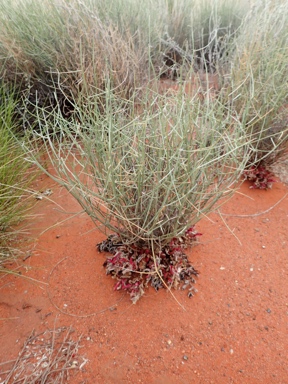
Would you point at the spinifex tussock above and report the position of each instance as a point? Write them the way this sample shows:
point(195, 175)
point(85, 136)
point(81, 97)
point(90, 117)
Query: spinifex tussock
point(147, 177)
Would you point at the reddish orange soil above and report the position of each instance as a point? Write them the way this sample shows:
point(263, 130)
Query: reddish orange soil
point(234, 330)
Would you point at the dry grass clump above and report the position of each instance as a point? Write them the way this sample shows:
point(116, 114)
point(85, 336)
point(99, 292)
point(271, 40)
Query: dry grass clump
point(199, 34)
point(258, 86)
point(56, 47)
point(59, 47)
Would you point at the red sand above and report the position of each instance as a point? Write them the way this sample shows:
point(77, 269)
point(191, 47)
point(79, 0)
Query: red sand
point(234, 330)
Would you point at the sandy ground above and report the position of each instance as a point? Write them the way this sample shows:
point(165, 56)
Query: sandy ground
point(234, 330)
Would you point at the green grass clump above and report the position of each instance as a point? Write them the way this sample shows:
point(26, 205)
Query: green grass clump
point(14, 180)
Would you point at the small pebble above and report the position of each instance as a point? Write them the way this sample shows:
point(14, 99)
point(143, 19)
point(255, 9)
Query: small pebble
point(268, 310)
point(74, 364)
point(185, 357)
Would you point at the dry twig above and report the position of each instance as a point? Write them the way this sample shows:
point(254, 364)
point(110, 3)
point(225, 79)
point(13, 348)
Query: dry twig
point(258, 213)
point(46, 358)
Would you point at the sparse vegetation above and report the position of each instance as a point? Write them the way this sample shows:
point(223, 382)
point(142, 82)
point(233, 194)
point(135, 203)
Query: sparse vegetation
point(145, 165)
point(74, 47)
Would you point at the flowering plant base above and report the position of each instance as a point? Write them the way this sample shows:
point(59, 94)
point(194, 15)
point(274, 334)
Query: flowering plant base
point(135, 267)
point(260, 177)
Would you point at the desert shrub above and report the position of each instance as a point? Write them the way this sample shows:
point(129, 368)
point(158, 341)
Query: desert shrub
point(147, 177)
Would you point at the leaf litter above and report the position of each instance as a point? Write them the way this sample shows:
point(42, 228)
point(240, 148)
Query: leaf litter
point(135, 267)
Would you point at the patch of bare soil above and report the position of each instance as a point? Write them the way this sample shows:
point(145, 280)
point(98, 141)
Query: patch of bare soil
point(234, 330)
